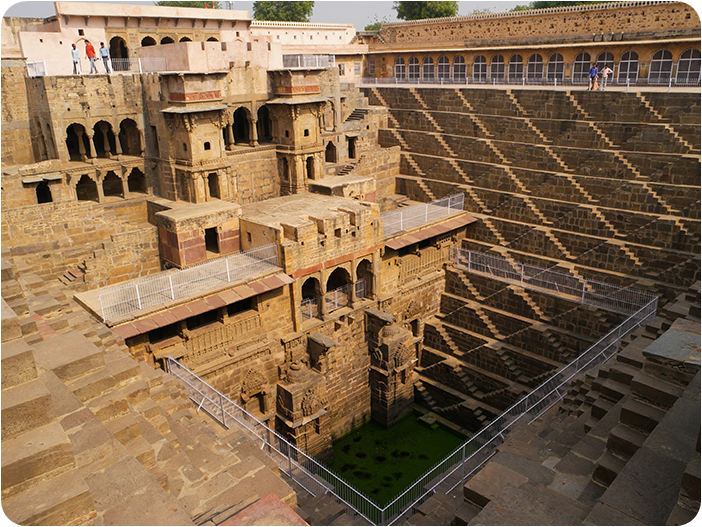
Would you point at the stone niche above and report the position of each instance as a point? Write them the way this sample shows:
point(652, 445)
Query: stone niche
point(302, 410)
point(392, 375)
point(190, 234)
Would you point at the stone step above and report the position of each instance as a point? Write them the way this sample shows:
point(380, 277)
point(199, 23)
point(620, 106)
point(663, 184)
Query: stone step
point(92, 385)
point(25, 407)
point(78, 356)
point(18, 364)
point(623, 373)
point(33, 457)
point(63, 500)
point(117, 403)
point(655, 390)
point(641, 416)
point(624, 441)
point(613, 390)
point(126, 429)
point(607, 469)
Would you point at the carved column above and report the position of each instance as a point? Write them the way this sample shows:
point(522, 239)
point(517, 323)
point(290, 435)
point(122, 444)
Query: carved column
point(354, 278)
point(125, 183)
point(230, 137)
point(99, 179)
point(105, 141)
point(254, 132)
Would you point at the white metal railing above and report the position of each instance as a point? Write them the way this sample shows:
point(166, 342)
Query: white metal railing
point(467, 458)
point(301, 467)
point(333, 300)
point(47, 67)
point(308, 61)
point(669, 80)
point(411, 217)
point(120, 300)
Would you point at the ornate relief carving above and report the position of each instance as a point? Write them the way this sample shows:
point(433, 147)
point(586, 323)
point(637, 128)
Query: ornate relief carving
point(254, 382)
point(312, 402)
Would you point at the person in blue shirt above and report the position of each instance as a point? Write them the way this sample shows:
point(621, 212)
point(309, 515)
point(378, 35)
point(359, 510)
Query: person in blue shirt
point(105, 55)
point(592, 75)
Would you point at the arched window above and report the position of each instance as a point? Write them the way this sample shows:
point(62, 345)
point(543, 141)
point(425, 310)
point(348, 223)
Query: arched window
point(311, 292)
point(212, 39)
point(77, 142)
point(43, 193)
point(581, 66)
point(556, 67)
point(104, 139)
point(338, 292)
point(628, 67)
point(129, 138)
point(661, 67)
point(241, 126)
point(185, 39)
point(535, 67)
point(497, 67)
point(264, 124)
point(119, 50)
point(605, 59)
point(86, 189)
point(136, 182)
point(427, 68)
point(479, 69)
point(516, 68)
point(364, 286)
point(443, 67)
point(112, 185)
point(413, 72)
point(689, 67)
point(167, 40)
point(330, 153)
point(459, 68)
point(400, 72)
point(148, 41)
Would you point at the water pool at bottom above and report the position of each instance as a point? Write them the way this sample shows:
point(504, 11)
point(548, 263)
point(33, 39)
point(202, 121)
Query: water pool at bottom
point(381, 462)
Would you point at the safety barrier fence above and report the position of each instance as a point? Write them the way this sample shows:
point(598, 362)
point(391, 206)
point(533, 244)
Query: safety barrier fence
point(308, 61)
point(448, 474)
point(334, 299)
point(151, 291)
point(47, 67)
point(412, 217)
point(679, 81)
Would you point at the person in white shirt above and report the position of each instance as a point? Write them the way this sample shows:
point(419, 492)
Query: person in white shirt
point(75, 55)
point(604, 74)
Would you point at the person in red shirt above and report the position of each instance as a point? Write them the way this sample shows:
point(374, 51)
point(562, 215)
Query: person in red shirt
point(90, 53)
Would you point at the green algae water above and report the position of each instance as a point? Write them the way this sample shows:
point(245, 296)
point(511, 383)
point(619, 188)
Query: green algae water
point(382, 462)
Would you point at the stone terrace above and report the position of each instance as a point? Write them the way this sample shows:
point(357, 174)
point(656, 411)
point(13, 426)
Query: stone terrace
point(606, 185)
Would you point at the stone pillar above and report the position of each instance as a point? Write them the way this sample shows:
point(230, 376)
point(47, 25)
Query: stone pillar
point(91, 146)
point(296, 299)
point(254, 132)
point(118, 146)
point(125, 183)
point(81, 145)
point(354, 278)
point(105, 141)
point(376, 274)
point(99, 178)
point(230, 137)
point(323, 287)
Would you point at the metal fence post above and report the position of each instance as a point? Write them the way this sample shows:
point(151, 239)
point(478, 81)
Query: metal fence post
point(136, 286)
point(224, 415)
point(522, 276)
point(670, 83)
point(227, 262)
point(170, 281)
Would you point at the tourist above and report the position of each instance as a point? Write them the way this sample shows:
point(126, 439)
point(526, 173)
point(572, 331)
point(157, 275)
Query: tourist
point(90, 53)
point(604, 74)
point(592, 78)
point(75, 55)
point(105, 54)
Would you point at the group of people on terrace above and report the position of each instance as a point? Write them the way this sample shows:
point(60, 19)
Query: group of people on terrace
point(594, 73)
point(90, 54)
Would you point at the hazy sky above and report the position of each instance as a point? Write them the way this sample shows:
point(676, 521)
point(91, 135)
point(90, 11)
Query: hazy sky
point(359, 12)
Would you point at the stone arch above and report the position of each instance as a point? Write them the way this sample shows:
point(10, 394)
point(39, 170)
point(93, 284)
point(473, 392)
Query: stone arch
point(112, 185)
point(400, 72)
point(459, 68)
point(104, 139)
point(364, 271)
point(212, 39)
point(338, 278)
point(148, 41)
point(497, 67)
point(43, 192)
point(688, 70)
point(330, 152)
point(311, 293)
point(185, 39)
point(86, 189)
point(242, 124)
point(581, 66)
point(264, 124)
point(129, 138)
point(556, 67)
point(427, 68)
point(535, 66)
point(479, 68)
point(628, 67)
point(77, 142)
point(167, 40)
point(136, 182)
point(516, 68)
point(119, 50)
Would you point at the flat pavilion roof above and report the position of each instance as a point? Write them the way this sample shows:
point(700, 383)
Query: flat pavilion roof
point(297, 208)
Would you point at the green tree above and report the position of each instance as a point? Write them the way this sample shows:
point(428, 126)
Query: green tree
point(420, 10)
point(544, 5)
point(283, 11)
point(185, 3)
point(375, 25)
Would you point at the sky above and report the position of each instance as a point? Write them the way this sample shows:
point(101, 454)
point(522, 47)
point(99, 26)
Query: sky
point(358, 12)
